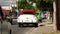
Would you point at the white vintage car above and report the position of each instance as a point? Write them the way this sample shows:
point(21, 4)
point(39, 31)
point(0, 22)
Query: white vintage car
point(27, 18)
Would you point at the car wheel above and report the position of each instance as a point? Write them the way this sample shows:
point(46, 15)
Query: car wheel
point(19, 25)
point(36, 24)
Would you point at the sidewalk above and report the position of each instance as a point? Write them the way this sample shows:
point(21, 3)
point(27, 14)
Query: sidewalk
point(41, 30)
point(46, 28)
point(47, 22)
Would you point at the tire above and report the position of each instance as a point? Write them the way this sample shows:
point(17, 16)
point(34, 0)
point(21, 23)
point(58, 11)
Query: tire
point(19, 25)
point(36, 24)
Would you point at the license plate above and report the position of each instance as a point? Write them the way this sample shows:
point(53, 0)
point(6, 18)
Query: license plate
point(26, 21)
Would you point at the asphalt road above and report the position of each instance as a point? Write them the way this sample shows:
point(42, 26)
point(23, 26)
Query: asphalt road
point(28, 30)
point(31, 30)
point(21, 30)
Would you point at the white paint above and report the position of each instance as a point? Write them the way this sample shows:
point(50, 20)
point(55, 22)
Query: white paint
point(23, 18)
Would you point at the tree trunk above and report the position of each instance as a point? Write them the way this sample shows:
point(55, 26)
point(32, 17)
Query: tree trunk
point(54, 15)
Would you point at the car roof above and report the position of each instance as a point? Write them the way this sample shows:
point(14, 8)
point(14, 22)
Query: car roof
point(21, 12)
point(27, 11)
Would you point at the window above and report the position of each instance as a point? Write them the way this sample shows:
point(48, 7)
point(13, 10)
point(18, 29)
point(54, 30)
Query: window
point(27, 13)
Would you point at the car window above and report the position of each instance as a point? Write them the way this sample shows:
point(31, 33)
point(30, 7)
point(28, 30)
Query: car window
point(27, 13)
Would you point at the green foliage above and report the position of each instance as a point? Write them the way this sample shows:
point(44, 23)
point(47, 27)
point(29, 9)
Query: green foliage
point(24, 5)
point(40, 4)
point(44, 4)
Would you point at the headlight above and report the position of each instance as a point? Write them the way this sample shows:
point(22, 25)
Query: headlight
point(19, 20)
point(34, 20)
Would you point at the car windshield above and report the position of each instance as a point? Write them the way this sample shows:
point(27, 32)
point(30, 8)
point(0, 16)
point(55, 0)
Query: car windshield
point(27, 13)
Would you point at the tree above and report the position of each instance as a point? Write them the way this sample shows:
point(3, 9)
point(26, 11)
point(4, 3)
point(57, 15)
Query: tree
point(45, 4)
point(23, 4)
point(54, 15)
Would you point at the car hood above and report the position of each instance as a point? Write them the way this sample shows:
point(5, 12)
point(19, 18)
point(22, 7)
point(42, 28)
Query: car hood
point(27, 17)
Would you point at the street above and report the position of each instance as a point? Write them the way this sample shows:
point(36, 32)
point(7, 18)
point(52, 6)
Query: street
point(30, 30)
point(42, 28)
point(19, 30)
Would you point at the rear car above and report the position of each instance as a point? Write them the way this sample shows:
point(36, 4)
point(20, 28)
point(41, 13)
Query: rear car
point(27, 18)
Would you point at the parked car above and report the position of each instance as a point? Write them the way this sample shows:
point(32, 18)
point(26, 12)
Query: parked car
point(27, 18)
